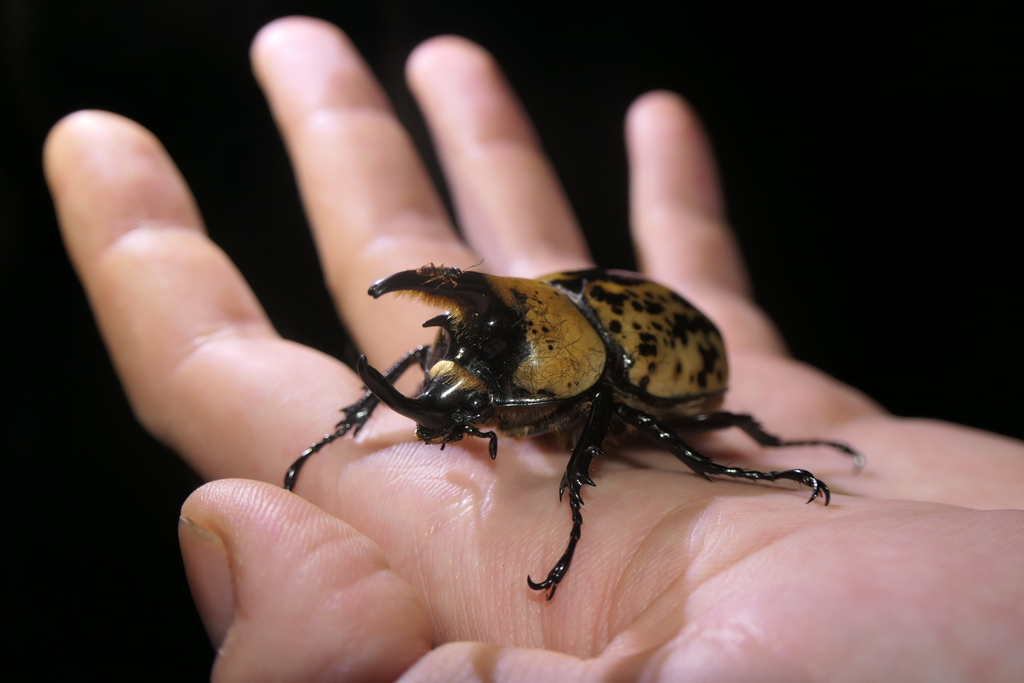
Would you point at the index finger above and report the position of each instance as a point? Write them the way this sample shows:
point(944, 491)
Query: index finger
point(203, 367)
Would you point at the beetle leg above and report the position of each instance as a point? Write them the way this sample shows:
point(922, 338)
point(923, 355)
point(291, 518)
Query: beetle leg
point(577, 473)
point(356, 414)
point(753, 428)
point(455, 434)
point(704, 465)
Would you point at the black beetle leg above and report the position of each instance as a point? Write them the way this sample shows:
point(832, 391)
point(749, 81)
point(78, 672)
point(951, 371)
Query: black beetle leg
point(456, 433)
point(356, 414)
point(704, 465)
point(753, 428)
point(577, 473)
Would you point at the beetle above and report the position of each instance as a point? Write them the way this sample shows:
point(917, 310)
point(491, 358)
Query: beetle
point(590, 348)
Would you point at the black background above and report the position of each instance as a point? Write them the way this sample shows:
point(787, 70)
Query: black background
point(867, 160)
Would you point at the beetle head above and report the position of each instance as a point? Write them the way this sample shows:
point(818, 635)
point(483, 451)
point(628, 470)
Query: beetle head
point(452, 393)
point(502, 342)
point(450, 397)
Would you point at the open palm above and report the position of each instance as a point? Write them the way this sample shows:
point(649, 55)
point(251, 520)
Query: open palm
point(914, 567)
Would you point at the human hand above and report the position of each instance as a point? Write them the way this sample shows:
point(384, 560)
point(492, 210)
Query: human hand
point(674, 576)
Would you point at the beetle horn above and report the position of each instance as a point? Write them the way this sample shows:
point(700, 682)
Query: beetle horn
point(394, 399)
point(465, 291)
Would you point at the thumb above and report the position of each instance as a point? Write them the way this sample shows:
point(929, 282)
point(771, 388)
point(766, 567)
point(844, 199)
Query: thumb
point(289, 592)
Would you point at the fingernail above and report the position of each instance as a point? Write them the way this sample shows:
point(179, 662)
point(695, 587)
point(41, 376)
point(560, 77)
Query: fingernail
point(209, 578)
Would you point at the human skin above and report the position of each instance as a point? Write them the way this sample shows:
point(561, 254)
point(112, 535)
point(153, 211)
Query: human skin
point(396, 560)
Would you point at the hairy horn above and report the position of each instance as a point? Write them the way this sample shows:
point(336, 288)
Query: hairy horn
point(468, 291)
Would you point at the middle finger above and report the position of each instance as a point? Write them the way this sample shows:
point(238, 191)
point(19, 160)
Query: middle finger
point(510, 204)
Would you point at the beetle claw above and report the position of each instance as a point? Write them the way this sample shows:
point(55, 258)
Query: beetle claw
point(817, 486)
point(543, 585)
point(814, 492)
point(821, 489)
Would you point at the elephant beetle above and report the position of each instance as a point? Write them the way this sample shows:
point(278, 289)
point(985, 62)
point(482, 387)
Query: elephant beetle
point(565, 351)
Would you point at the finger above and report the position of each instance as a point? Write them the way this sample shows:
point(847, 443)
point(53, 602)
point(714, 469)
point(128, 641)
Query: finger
point(201, 364)
point(510, 204)
point(676, 205)
point(289, 592)
point(916, 459)
point(894, 571)
point(479, 662)
point(369, 200)
point(677, 219)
